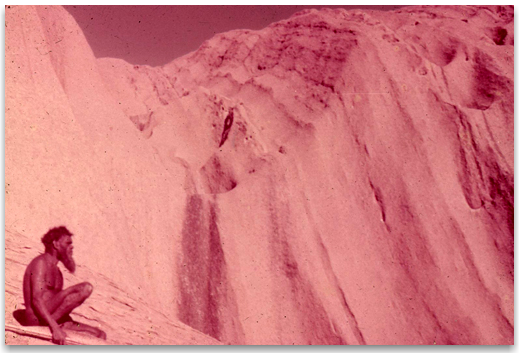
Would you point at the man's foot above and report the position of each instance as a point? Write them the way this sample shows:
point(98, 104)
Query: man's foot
point(102, 335)
point(80, 327)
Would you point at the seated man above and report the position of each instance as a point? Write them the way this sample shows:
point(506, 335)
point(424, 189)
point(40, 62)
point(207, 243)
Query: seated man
point(46, 302)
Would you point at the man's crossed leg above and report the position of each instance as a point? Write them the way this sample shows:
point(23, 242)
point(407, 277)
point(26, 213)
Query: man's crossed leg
point(60, 306)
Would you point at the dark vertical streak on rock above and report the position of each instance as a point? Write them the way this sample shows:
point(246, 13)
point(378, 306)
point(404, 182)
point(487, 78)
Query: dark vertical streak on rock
point(486, 185)
point(469, 261)
point(446, 83)
point(411, 251)
point(357, 331)
point(216, 265)
point(441, 336)
point(471, 175)
point(496, 148)
point(207, 301)
point(314, 320)
point(194, 275)
point(335, 282)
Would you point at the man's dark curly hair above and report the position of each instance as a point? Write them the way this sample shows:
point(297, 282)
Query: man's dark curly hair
point(54, 234)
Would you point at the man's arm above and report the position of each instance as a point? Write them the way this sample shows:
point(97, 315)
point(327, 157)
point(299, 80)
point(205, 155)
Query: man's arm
point(38, 287)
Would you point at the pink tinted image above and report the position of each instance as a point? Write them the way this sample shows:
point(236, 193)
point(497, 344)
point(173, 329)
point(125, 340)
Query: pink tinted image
point(259, 175)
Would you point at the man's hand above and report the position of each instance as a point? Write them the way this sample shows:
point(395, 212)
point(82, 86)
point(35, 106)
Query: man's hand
point(58, 335)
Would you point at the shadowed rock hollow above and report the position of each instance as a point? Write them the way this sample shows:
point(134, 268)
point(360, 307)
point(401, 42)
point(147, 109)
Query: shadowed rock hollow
point(340, 177)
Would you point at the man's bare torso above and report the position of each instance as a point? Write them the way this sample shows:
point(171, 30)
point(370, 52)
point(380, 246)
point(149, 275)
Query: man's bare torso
point(53, 281)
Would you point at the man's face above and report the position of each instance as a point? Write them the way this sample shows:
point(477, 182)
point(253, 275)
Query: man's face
point(64, 247)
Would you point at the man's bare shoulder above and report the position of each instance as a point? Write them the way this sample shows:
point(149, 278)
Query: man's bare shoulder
point(40, 261)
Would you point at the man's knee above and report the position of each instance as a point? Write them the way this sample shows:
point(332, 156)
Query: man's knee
point(86, 289)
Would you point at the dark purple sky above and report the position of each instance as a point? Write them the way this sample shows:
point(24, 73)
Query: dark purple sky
point(155, 35)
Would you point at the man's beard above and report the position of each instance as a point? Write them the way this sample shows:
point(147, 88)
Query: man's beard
point(68, 262)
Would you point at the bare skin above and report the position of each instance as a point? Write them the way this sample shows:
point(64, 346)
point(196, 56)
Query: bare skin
point(47, 303)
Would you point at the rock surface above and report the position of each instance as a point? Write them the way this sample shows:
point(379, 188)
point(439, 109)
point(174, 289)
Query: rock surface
point(340, 177)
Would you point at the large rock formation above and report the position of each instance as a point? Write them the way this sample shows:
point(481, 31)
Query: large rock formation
point(340, 177)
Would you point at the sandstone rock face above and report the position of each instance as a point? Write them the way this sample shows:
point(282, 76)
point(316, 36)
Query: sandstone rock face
point(335, 178)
